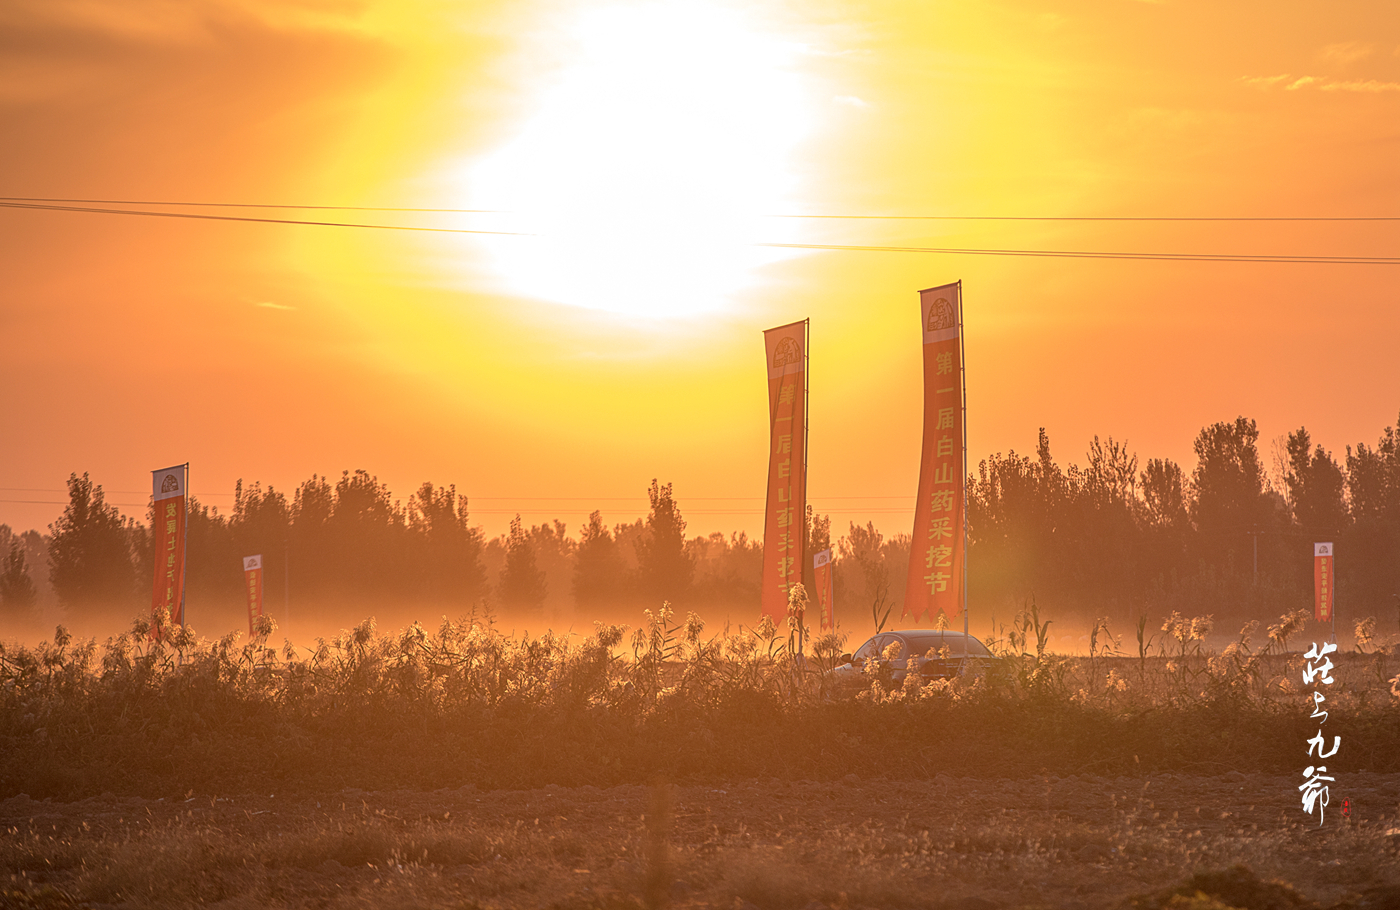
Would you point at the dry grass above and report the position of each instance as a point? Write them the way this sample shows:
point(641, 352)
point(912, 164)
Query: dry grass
point(468, 704)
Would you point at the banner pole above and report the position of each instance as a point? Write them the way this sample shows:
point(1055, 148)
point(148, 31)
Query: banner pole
point(962, 367)
point(806, 423)
point(186, 546)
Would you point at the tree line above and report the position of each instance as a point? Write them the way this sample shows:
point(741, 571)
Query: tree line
point(350, 544)
point(1109, 537)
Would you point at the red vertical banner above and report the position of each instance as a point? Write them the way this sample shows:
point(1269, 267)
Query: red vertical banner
point(168, 541)
point(1324, 582)
point(253, 582)
point(821, 570)
point(936, 576)
point(785, 516)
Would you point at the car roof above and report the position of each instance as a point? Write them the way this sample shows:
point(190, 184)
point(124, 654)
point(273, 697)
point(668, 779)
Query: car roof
point(962, 641)
point(942, 633)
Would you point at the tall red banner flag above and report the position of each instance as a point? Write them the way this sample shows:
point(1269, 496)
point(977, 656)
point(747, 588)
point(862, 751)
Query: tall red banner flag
point(936, 577)
point(168, 541)
point(253, 582)
point(1324, 582)
point(821, 569)
point(786, 512)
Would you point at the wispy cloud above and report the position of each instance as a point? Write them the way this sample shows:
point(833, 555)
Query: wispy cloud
point(1291, 83)
point(1266, 81)
point(850, 100)
point(1360, 85)
point(1345, 52)
point(268, 304)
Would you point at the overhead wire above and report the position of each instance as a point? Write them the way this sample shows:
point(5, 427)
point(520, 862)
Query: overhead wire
point(377, 208)
point(869, 248)
point(382, 227)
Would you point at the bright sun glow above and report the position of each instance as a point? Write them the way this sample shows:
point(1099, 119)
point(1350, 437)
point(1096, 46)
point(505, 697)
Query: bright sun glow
point(649, 162)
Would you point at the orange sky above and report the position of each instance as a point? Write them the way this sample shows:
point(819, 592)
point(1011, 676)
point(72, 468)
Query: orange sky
point(643, 145)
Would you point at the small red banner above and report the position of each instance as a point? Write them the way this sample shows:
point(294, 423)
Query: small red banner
point(253, 582)
point(1324, 582)
point(936, 559)
point(785, 516)
point(168, 542)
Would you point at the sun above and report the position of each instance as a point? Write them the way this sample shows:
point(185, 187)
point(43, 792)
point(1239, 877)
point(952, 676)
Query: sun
point(649, 161)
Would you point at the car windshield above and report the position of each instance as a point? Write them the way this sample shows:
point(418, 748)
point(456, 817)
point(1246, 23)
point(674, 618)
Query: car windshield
point(927, 644)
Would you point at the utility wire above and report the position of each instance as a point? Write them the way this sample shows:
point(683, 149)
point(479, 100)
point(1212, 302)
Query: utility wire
point(1092, 254)
point(1064, 254)
point(253, 205)
point(382, 227)
point(373, 208)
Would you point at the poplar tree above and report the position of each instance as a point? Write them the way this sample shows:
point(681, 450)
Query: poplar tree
point(522, 583)
point(89, 554)
point(664, 569)
point(17, 593)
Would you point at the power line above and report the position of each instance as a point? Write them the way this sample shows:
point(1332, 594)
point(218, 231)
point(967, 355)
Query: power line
point(1228, 218)
point(255, 205)
point(376, 208)
point(1099, 254)
point(1062, 254)
point(382, 227)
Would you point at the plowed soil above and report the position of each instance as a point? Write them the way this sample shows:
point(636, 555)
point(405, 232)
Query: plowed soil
point(1073, 842)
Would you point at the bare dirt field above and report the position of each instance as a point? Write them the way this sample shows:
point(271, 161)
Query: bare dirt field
point(954, 842)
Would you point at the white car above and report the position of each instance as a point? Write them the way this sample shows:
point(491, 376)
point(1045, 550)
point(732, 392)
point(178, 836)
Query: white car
point(920, 649)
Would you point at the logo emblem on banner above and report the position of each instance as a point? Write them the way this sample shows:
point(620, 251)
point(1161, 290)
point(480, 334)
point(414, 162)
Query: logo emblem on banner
point(789, 351)
point(941, 315)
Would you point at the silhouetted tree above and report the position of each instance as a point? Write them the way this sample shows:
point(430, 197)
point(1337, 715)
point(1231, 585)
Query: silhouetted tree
point(1098, 542)
point(1164, 494)
point(664, 569)
point(261, 524)
point(600, 574)
point(89, 555)
point(1165, 524)
point(366, 532)
point(310, 569)
point(213, 565)
point(862, 576)
point(727, 571)
point(448, 547)
point(1229, 486)
point(1315, 486)
point(1015, 508)
point(554, 557)
point(1368, 556)
point(522, 583)
point(816, 536)
point(17, 594)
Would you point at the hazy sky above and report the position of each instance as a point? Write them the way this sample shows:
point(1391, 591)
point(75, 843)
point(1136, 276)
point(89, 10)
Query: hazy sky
point(641, 150)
